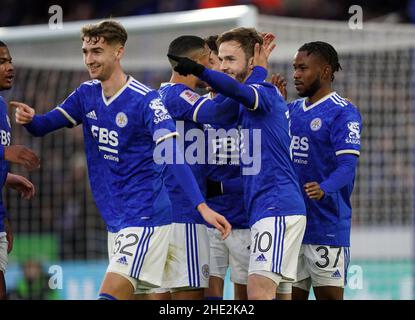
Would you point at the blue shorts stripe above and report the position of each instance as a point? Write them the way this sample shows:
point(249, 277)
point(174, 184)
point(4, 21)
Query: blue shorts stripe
point(197, 256)
point(279, 253)
point(146, 249)
point(274, 265)
point(192, 253)
point(136, 253)
point(189, 268)
point(141, 256)
point(282, 242)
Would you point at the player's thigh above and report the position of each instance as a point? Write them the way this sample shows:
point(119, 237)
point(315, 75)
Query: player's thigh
point(275, 246)
point(240, 291)
point(327, 266)
point(188, 258)
point(139, 254)
point(239, 253)
point(284, 291)
point(219, 254)
point(302, 285)
point(215, 289)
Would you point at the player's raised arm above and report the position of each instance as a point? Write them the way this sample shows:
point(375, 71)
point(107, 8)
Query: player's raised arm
point(223, 83)
point(67, 114)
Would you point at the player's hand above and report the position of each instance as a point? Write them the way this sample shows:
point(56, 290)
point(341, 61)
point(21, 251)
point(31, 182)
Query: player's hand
point(23, 186)
point(269, 42)
point(24, 113)
point(279, 81)
point(215, 219)
point(313, 190)
point(260, 58)
point(9, 235)
point(186, 66)
point(22, 155)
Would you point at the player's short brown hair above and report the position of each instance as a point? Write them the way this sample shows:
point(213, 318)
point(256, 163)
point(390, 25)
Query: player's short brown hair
point(246, 37)
point(112, 32)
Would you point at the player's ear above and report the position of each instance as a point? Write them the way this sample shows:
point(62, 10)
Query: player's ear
point(251, 63)
point(120, 52)
point(326, 72)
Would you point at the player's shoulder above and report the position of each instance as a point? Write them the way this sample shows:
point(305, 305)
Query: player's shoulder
point(90, 84)
point(138, 89)
point(295, 104)
point(2, 101)
point(343, 105)
point(179, 93)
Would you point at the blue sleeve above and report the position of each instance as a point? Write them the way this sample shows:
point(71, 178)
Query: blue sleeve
point(224, 84)
point(343, 175)
point(67, 114)
point(157, 119)
point(346, 130)
point(182, 172)
point(1, 152)
point(185, 104)
point(50, 121)
point(258, 74)
point(71, 108)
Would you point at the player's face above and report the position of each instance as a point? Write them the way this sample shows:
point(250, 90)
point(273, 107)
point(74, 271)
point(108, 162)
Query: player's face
point(101, 58)
point(233, 60)
point(214, 62)
point(6, 69)
point(203, 58)
point(307, 74)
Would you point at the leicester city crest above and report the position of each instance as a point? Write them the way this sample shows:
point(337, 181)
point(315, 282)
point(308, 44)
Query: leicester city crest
point(121, 119)
point(315, 124)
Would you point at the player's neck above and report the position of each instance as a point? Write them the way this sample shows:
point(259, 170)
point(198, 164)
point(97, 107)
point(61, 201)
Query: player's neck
point(189, 81)
point(322, 92)
point(112, 85)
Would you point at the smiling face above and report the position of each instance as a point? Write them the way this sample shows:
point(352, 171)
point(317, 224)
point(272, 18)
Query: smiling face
point(309, 73)
point(101, 58)
point(6, 69)
point(233, 60)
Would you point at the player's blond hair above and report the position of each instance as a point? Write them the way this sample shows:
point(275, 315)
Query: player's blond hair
point(112, 32)
point(246, 37)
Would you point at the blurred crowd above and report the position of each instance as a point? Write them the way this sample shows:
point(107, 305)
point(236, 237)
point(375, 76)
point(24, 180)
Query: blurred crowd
point(26, 12)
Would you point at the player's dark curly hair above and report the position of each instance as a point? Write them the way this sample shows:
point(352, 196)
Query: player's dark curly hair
point(325, 51)
point(211, 42)
point(186, 46)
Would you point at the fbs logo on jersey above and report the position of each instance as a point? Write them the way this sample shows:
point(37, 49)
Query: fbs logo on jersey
point(315, 124)
point(121, 119)
point(160, 111)
point(189, 96)
point(123, 260)
point(354, 134)
point(92, 115)
point(261, 258)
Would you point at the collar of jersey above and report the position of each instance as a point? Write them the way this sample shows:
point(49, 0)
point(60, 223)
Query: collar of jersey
point(115, 96)
point(315, 104)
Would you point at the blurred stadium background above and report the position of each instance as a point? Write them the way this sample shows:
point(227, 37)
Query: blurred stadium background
point(61, 225)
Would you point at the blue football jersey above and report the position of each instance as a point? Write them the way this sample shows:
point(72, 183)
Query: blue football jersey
point(5, 131)
point(271, 185)
point(182, 104)
point(120, 134)
point(222, 149)
point(320, 132)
